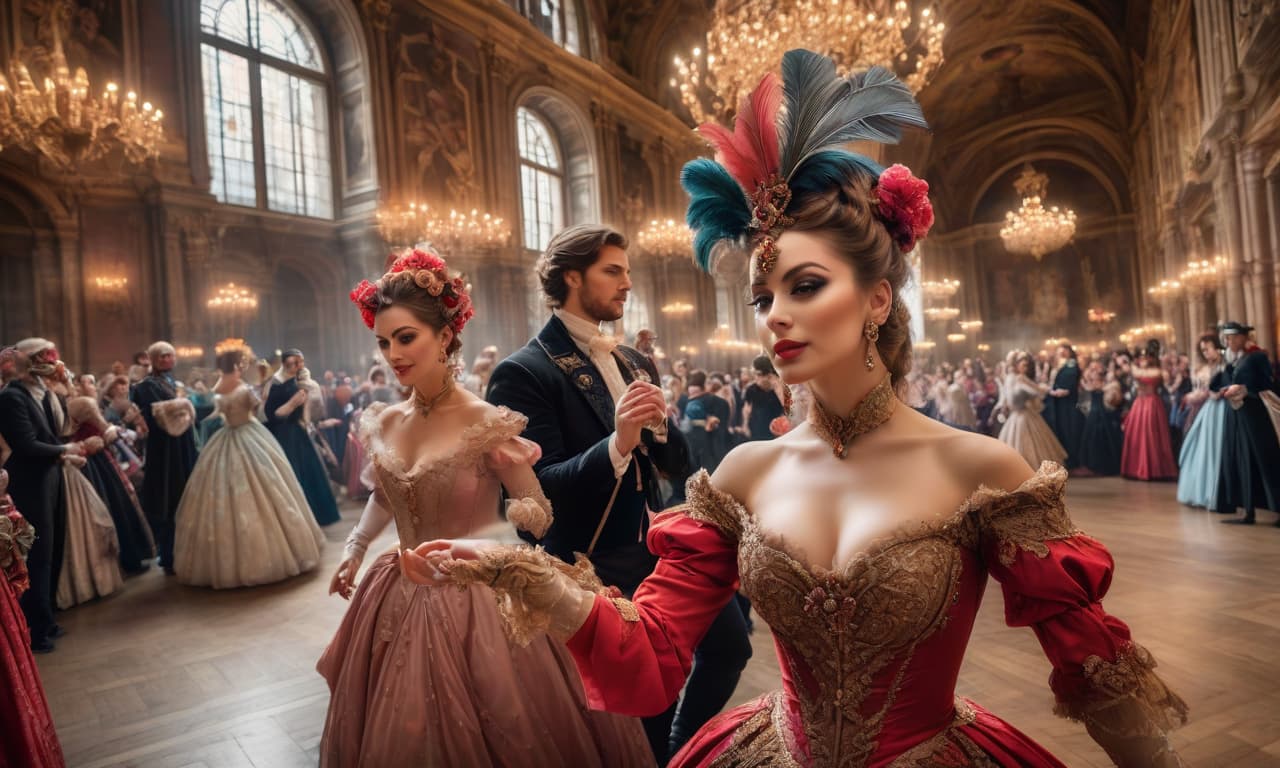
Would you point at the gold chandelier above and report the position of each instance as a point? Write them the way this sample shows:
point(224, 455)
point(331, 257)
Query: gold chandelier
point(1201, 276)
point(935, 290)
point(1035, 229)
point(233, 299)
point(405, 226)
point(666, 239)
point(747, 39)
point(681, 308)
point(66, 125)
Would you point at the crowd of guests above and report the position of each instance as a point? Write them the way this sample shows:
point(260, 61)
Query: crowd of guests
point(1211, 423)
point(222, 479)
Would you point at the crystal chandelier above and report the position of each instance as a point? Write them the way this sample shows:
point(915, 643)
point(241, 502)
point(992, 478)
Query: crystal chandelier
point(66, 125)
point(666, 239)
point(1164, 290)
point(747, 38)
point(1201, 276)
point(1035, 229)
point(405, 226)
point(233, 299)
point(942, 314)
point(681, 308)
point(970, 326)
point(935, 290)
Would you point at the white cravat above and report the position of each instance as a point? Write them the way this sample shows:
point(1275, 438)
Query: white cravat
point(589, 339)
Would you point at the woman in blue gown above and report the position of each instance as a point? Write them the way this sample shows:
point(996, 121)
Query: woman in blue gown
point(1200, 460)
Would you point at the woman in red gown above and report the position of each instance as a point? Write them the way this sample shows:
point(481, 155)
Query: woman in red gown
point(864, 536)
point(29, 740)
point(1148, 450)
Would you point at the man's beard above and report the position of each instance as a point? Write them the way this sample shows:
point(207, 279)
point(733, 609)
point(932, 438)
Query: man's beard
point(600, 311)
point(1232, 355)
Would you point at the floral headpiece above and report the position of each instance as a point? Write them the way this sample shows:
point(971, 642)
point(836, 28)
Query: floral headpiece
point(774, 152)
point(429, 272)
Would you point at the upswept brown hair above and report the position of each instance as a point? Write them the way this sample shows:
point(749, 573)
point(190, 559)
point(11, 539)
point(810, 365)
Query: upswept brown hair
point(843, 215)
point(573, 250)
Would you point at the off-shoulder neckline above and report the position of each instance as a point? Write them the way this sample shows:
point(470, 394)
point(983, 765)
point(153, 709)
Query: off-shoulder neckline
point(464, 447)
point(1050, 475)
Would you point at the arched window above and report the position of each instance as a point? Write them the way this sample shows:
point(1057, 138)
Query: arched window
point(541, 180)
point(557, 19)
point(266, 107)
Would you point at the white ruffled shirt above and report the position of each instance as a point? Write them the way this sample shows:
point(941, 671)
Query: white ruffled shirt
point(598, 347)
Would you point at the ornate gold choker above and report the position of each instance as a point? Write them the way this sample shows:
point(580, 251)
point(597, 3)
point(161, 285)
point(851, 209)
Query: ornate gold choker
point(838, 431)
point(424, 406)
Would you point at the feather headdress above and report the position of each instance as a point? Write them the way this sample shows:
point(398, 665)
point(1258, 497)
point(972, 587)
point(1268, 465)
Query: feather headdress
point(788, 136)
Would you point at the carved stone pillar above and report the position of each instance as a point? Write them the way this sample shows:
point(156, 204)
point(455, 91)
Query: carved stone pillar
point(1228, 205)
point(608, 171)
point(1171, 309)
point(1273, 218)
point(1257, 237)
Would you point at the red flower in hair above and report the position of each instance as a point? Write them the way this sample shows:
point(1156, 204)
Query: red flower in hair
point(365, 296)
point(903, 205)
point(418, 259)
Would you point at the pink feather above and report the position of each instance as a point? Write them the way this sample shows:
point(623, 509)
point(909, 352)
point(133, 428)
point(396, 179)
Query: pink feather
point(750, 152)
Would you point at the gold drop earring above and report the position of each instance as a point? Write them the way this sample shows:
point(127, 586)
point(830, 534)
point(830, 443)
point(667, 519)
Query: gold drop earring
point(872, 332)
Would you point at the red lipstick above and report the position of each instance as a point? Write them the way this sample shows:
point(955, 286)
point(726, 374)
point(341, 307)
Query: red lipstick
point(788, 349)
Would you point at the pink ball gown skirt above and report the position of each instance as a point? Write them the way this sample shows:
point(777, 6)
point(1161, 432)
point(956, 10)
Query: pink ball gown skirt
point(425, 676)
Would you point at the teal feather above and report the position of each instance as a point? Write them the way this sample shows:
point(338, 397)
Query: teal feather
point(830, 169)
point(718, 208)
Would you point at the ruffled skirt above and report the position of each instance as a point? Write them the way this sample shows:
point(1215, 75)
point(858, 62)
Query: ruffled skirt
point(425, 676)
point(243, 519)
point(90, 562)
point(1028, 434)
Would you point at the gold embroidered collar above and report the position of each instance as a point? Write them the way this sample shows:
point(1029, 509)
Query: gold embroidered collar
point(838, 431)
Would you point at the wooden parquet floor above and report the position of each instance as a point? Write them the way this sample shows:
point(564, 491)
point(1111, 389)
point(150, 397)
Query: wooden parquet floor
point(163, 675)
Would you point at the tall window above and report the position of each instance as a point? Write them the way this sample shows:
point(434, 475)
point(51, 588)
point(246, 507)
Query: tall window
point(557, 19)
point(541, 180)
point(266, 107)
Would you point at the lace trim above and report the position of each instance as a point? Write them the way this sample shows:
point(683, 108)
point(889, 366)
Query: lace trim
point(759, 740)
point(949, 748)
point(1027, 517)
point(838, 431)
point(537, 592)
point(1131, 677)
point(709, 504)
point(531, 512)
point(473, 442)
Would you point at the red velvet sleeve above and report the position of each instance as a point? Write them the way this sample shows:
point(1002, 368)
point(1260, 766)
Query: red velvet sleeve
point(1053, 578)
point(634, 656)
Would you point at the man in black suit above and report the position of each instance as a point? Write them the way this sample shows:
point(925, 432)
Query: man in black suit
point(27, 409)
point(170, 458)
point(601, 422)
point(1250, 474)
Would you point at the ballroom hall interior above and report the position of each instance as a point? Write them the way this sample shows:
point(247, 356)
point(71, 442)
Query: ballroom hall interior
point(1104, 177)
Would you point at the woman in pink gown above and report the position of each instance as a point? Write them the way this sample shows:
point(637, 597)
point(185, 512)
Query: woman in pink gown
point(428, 677)
point(864, 536)
point(1148, 449)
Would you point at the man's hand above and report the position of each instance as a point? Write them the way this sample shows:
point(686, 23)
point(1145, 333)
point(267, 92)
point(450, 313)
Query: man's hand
point(642, 404)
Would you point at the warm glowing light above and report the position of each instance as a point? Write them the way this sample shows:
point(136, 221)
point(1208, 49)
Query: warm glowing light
point(1034, 229)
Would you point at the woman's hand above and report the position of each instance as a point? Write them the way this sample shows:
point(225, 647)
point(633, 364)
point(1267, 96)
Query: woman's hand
point(344, 579)
point(425, 563)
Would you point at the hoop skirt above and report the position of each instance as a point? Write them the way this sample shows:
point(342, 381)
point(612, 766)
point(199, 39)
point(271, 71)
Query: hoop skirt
point(425, 676)
point(243, 519)
point(1026, 430)
point(1148, 449)
point(1200, 461)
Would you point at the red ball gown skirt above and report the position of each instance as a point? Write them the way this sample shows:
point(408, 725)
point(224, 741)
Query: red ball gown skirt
point(1148, 450)
point(27, 738)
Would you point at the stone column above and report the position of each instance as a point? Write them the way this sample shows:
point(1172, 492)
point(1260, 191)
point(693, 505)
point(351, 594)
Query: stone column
point(1257, 237)
point(1228, 203)
point(1273, 217)
point(1170, 309)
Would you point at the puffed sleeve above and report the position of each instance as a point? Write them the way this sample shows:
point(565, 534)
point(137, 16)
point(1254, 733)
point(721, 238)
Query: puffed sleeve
point(634, 655)
point(1053, 578)
point(511, 458)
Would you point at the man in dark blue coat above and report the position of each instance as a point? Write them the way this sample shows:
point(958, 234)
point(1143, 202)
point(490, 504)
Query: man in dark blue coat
point(1250, 474)
point(595, 409)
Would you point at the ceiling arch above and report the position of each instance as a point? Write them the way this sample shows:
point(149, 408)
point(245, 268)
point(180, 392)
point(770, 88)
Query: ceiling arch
point(981, 191)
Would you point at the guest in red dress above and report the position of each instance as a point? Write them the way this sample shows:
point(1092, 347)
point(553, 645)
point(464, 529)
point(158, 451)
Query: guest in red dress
point(29, 740)
point(1148, 451)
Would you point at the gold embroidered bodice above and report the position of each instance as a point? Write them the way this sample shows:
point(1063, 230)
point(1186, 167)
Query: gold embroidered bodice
point(848, 639)
point(447, 497)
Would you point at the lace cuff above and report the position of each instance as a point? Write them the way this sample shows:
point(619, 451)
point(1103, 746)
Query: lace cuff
point(530, 511)
point(1128, 709)
point(537, 592)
